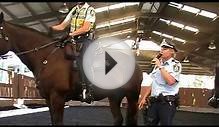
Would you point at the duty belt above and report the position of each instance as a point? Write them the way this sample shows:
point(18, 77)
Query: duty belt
point(84, 36)
point(161, 98)
point(81, 36)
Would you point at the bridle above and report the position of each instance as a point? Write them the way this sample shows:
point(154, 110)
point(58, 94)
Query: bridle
point(6, 38)
point(2, 34)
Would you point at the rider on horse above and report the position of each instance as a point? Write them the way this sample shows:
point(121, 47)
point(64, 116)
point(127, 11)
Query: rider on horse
point(82, 20)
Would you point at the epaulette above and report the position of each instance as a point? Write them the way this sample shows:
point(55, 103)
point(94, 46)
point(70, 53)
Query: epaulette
point(176, 61)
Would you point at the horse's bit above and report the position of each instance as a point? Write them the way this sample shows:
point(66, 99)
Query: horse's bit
point(2, 35)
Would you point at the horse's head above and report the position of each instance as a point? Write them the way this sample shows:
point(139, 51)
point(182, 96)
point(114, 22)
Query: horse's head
point(5, 46)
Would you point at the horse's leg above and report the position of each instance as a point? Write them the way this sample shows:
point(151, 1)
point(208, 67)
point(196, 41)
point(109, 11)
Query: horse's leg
point(214, 99)
point(56, 107)
point(115, 102)
point(132, 111)
point(48, 104)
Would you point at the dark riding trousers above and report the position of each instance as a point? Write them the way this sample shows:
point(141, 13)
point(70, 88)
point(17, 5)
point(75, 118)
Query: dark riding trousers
point(86, 40)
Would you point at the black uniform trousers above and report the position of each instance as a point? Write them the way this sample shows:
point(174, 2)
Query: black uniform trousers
point(86, 42)
point(160, 113)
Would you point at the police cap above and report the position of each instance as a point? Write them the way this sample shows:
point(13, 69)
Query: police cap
point(167, 44)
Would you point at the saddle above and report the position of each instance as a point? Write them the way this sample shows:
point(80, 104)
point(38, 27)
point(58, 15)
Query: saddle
point(71, 47)
point(72, 50)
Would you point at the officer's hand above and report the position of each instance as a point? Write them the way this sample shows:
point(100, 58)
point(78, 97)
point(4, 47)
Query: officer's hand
point(141, 104)
point(53, 27)
point(156, 62)
point(71, 34)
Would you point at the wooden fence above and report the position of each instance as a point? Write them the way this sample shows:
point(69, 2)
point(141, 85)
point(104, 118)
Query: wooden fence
point(19, 87)
point(24, 87)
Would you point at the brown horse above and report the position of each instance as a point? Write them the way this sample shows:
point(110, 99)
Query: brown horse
point(214, 100)
point(56, 81)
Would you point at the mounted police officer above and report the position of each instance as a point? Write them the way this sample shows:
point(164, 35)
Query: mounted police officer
point(82, 20)
point(163, 96)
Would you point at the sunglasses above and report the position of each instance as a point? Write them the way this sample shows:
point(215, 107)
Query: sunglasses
point(167, 47)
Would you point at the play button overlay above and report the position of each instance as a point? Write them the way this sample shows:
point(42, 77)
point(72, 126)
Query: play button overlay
point(108, 63)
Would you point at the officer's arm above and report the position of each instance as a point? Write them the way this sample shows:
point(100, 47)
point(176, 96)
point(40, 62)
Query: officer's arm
point(66, 21)
point(85, 28)
point(164, 73)
point(167, 77)
point(147, 92)
point(61, 26)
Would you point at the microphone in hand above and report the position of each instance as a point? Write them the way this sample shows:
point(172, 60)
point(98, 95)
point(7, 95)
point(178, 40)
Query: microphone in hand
point(153, 63)
point(158, 57)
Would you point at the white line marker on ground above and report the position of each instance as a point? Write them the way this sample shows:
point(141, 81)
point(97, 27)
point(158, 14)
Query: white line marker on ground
point(23, 111)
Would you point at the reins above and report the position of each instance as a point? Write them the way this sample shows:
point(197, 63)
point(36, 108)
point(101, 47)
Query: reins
point(37, 48)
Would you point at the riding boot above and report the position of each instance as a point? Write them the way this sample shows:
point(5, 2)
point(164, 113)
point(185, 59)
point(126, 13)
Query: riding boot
point(86, 95)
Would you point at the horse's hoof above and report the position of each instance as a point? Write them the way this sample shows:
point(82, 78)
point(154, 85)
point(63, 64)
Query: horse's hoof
point(213, 102)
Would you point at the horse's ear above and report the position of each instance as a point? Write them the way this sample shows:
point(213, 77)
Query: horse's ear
point(1, 17)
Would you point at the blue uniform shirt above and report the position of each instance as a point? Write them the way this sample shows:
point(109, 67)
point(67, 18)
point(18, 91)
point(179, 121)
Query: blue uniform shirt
point(159, 85)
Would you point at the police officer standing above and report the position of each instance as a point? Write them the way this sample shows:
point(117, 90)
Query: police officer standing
point(82, 21)
point(163, 96)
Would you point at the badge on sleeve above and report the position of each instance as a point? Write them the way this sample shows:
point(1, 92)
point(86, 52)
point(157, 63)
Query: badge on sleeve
point(176, 68)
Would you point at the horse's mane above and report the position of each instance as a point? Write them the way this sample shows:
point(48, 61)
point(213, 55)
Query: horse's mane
point(27, 28)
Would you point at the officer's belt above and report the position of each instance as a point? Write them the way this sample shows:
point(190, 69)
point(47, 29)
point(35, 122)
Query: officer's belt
point(80, 36)
point(167, 98)
point(83, 36)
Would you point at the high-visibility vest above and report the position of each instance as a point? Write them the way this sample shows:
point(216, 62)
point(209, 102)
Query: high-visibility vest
point(79, 17)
